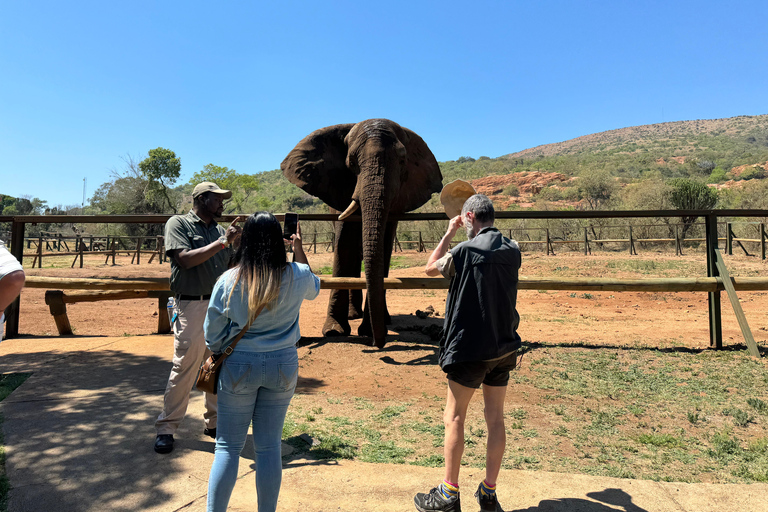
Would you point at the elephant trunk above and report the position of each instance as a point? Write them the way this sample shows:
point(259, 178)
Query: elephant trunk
point(374, 216)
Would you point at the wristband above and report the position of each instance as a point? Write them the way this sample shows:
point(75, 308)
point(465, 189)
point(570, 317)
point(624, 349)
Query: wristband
point(223, 242)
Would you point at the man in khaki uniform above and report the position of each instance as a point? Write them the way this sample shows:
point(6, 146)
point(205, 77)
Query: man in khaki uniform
point(200, 252)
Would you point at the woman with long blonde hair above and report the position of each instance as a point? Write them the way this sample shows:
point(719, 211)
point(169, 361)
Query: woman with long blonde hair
point(258, 379)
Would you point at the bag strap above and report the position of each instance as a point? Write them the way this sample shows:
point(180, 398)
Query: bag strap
point(232, 345)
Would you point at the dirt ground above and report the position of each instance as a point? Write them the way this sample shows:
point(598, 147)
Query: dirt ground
point(346, 377)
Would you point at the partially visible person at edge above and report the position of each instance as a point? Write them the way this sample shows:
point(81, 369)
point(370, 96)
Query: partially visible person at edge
point(200, 251)
point(12, 279)
point(479, 344)
point(258, 379)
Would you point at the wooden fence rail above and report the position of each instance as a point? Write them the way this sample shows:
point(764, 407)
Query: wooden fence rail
point(715, 268)
point(118, 289)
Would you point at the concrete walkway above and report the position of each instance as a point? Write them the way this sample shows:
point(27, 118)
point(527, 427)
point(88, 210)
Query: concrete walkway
point(79, 433)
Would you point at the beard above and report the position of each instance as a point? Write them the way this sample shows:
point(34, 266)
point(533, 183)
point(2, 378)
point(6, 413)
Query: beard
point(470, 231)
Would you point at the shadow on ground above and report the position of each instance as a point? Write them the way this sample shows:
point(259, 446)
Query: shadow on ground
point(78, 434)
point(615, 497)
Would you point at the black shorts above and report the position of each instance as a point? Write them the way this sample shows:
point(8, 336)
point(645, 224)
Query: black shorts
point(490, 373)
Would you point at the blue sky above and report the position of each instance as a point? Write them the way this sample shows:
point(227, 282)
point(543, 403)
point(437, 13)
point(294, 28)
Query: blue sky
point(238, 84)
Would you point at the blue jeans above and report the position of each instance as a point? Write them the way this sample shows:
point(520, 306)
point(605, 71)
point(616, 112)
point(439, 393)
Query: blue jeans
point(258, 387)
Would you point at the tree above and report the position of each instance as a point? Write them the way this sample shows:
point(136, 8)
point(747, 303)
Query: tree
point(241, 185)
point(126, 194)
point(687, 194)
point(596, 187)
point(161, 170)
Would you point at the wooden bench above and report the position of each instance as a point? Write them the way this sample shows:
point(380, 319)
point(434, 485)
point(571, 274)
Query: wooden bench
point(57, 301)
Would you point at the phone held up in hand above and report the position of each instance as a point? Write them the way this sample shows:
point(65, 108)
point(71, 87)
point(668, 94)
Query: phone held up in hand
point(289, 225)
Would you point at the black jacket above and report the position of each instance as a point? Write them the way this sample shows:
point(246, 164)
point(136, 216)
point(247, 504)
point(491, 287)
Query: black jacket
point(480, 313)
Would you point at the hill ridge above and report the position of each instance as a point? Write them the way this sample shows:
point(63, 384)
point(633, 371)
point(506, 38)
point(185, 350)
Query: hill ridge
point(612, 139)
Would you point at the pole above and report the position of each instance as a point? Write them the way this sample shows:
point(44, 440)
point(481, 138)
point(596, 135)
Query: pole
point(39, 252)
point(729, 238)
point(715, 320)
point(17, 249)
point(762, 241)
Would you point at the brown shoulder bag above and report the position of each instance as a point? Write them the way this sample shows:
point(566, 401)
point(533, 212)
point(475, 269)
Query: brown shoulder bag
point(208, 376)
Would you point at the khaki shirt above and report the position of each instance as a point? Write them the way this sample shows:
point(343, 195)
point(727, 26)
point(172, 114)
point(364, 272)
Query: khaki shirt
point(190, 232)
point(445, 266)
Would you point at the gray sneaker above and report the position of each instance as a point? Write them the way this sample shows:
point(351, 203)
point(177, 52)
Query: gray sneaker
point(487, 503)
point(435, 501)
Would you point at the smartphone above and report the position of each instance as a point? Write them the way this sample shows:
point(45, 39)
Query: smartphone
point(290, 223)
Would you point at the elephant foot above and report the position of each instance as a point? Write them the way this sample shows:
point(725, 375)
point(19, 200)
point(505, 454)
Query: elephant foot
point(333, 328)
point(354, 313)
point(379, 343)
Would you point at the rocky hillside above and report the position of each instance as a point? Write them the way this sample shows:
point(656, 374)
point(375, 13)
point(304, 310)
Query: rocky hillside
point(679, 137)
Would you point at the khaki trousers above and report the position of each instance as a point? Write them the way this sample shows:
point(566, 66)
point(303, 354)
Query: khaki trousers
point(189, 351)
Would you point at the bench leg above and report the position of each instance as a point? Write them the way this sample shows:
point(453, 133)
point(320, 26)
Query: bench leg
point(55, 301)
point(163, 324)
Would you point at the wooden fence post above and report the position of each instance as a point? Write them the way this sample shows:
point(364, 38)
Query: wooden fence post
point(314, 242)
point(678, 245)
point(39, 256)
point(729, 238)
point(632, 249)
point(586, 242)
point(715, 319)
point(421, 243)
point(79, 253)
point(762, 241)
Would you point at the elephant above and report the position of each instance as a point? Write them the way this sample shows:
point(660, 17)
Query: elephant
point(382, 169)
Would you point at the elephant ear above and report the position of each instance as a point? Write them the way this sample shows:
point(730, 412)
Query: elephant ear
point(422, 174)
point(318, 166)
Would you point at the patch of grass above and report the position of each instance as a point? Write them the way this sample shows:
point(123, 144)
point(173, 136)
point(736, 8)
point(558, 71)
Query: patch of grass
point(430, 461)
point(11, 381)
point(740, 417)
point(723, 445)
point(694, 418)
point(758, 405)
point(667, 440)
point(362, 403)
point(326, 270)
point(518, 414)
point(391, 411)
point(384, 452)
point(333, 447)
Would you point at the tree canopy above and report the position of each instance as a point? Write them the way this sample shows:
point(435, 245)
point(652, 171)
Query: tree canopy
point(161, 169)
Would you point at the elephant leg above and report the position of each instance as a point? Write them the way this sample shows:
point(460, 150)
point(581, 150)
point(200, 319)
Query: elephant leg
point(346, 263)
point(365, 328)
point(355, 304)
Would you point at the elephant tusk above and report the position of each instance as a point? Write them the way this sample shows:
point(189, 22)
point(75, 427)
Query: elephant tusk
point(353, 206)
